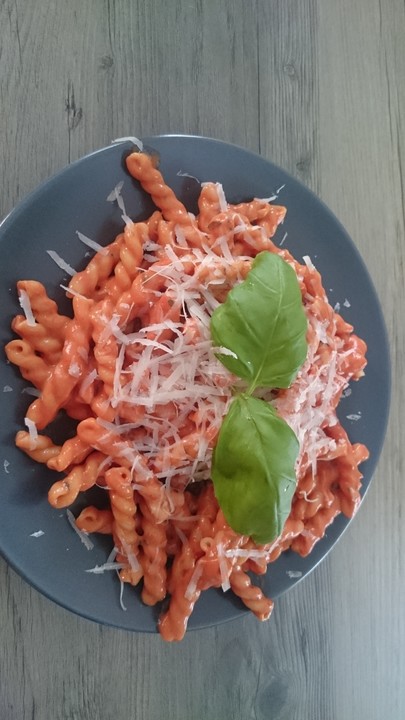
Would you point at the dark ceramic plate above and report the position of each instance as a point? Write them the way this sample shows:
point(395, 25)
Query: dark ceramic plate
point(75, 199)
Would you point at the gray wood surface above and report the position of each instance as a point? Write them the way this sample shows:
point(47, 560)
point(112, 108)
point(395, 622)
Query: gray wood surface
point(318, 86)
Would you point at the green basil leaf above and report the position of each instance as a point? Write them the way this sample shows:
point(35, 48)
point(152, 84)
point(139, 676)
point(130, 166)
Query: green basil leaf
point(253, 469)
point(263, 323)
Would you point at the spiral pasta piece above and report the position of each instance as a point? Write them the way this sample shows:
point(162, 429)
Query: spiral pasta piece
point(142, 168)
point(45, 310)
point(32, 367)
point(42, 449)
point(90, 281)
point(124, 511)
point(73, 451)
point(49, 347)
point(93, 520)
point(81, 478)
point(153, 557)
point(58, 386)
point(250, 595)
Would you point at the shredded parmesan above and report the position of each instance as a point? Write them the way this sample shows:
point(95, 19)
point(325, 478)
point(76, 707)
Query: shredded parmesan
point(130, 138)
point(100, 569)
point(307, 405)
point(89, 380)
point(223, 568)
point(115, 196)
point(82, 535)
point(33, 433)
point(7, 388)
point(294, 573)
point(113, 554)
point(267, 199)
point(172, 362)
point(123, 607)
point(91, 243)
point(191, 588)
point(186, 174)
point(223, 205)
point(61, 262)
point(6, 466)
point(116, 192)
point(70, 291)
point(131, 557)
point(24, 301)
point(308, 262)
point(37, 534)
point(74, 370)
point(248, 554)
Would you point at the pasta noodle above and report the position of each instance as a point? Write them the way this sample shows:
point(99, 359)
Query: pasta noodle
point(136, 368)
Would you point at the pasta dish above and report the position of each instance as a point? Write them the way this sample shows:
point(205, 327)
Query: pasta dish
point(137, 368)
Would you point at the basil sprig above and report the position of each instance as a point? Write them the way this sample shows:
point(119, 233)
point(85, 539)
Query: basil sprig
point(263, 324)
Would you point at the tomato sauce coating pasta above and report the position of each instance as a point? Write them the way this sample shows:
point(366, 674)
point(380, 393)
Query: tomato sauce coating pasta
point(136, 368)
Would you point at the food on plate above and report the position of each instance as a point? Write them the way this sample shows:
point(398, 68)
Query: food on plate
point(203, 365)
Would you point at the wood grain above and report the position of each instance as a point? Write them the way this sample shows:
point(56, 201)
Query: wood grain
point(318, 87)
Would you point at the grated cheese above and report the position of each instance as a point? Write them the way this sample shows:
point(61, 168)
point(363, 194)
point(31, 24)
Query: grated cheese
point(33, 433)
point(223, 568)
point(7, 388)
point(192, 585)
point(115, 196)
point(100, 569)
point(89, 380)
point(113, 554)
point(60, 262)
point(294, 573)
point(72, 292)
point(37, 534)
point(123, 607)
point(223, 205)
point(307, 405)
point(82, 535)
point(115, 192)
point(308, 262)
point(186, 174)
point(74, 370)
point(24, 300)
point(130, 555)
point(267, 199)
point(6, 466)
point(248, 554)
point(91, 243)
point(173, 365)
point(130, 138)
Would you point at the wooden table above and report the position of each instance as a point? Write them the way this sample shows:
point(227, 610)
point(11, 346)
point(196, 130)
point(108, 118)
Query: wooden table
point(317, 86)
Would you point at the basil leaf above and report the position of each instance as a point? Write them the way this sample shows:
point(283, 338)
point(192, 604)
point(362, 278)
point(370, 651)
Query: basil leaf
point(263, 323)
point(253, 469)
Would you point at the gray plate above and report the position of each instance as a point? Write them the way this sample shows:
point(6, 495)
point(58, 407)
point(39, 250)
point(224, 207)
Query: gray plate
point(55, 563)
